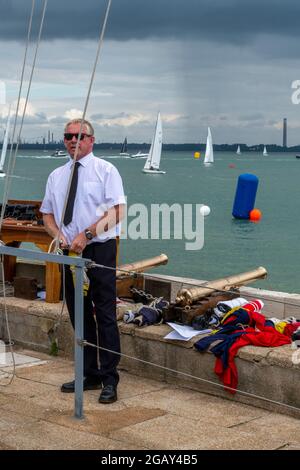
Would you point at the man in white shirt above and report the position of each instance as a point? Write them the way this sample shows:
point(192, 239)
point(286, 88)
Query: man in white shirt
point(96, 189)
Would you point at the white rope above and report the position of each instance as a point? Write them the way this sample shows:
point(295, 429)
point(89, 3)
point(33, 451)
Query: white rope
point(100, 42)
point(58, 251)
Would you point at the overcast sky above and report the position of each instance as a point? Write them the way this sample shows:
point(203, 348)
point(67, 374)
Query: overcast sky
point(228, 64)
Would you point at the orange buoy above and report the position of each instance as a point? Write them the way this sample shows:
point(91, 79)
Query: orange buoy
point(255, 215)
point(231, 165)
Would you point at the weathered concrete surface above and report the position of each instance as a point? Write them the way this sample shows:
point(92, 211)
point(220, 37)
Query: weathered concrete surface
point(263, 372)
point(34, 414)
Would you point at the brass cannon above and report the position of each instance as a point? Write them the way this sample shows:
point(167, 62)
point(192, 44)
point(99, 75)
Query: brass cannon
point(140, 266)
point(194, 301)
point(127, 278)
point(190, 295)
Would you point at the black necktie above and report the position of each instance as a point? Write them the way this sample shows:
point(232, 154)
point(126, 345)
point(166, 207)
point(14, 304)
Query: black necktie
point(72, 194)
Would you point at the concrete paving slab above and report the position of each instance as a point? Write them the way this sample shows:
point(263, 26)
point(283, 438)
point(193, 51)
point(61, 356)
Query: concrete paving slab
point(195, 405)
point(174, 432)
point(291, 447)
point(103, 421)
point(41, 435)
point(20, 360)
point(48, 374)
point(3, 446)
point(10, 421)
point(26, 388)
point(3, 399)
point(277, 426)
point(42, 400)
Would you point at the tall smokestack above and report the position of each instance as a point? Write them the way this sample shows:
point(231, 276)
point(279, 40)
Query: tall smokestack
point(284, 132)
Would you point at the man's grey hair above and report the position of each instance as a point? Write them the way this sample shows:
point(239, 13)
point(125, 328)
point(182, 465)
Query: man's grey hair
point(86, 124)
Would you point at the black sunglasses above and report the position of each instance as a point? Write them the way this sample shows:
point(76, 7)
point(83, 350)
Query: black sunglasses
point(69, 136)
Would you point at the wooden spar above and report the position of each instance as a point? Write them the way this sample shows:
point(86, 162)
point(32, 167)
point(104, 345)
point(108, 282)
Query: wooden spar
point(187, 296)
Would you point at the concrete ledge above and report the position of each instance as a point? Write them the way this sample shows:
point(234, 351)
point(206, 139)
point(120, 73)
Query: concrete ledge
point(265, 372)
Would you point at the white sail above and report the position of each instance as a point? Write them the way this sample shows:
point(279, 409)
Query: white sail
point(153, 160)
point(209, 152)
point(5, 143)
point(238, 150)
point(265, 153)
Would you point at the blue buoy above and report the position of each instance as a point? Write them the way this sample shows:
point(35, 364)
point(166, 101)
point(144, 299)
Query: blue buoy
point(245, 196)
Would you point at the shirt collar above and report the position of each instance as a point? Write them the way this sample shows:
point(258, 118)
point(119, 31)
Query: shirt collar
point(84, 161)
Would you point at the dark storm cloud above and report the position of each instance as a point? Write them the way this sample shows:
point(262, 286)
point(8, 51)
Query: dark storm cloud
point(215, 20)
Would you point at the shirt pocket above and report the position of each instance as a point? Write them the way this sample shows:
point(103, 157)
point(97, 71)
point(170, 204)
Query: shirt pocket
point(92, 193)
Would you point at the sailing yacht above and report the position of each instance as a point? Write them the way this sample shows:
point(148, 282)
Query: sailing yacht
point(265, 153)
point(153, 160)
point(238, 152)
point(209, 152)
point(124, 152)
point(4, 145)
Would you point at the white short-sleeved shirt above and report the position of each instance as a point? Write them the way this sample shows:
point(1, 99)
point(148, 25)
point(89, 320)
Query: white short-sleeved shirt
point(99, 186)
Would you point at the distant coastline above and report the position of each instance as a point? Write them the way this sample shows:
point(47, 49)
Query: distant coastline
point(189, 147)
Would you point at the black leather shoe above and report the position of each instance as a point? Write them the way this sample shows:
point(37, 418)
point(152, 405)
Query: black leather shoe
point(88, 384)
point(108, 394)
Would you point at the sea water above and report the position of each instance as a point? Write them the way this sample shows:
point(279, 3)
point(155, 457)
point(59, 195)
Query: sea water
point(230, 246)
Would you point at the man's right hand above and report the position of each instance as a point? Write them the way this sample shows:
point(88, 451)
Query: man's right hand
point(53, 230)
point(63, 242)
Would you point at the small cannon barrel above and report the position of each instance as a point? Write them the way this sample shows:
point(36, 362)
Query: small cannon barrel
point(142, 265)
point(187, 296)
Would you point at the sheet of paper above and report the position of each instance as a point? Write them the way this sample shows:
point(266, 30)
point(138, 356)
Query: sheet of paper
point(183, 332)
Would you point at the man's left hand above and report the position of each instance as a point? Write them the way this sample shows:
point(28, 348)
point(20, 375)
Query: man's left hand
point(79, 243)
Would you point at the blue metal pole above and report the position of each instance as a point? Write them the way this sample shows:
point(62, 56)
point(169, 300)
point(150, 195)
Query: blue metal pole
point(79, 348)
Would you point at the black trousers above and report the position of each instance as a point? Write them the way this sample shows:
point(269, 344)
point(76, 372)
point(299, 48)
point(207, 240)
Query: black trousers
point(99, 313)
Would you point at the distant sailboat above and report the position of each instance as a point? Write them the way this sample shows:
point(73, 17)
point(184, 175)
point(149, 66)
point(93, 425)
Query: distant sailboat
point(265, 153)
point(153, 160)
point(209, 152)
point(4, 145)
point(238, 152)
point(124, 152)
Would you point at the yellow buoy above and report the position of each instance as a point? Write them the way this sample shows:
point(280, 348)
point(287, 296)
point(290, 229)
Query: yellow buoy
point(197, 155)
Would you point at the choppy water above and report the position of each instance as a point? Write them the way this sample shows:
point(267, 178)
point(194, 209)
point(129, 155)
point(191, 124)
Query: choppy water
point(230, 246)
